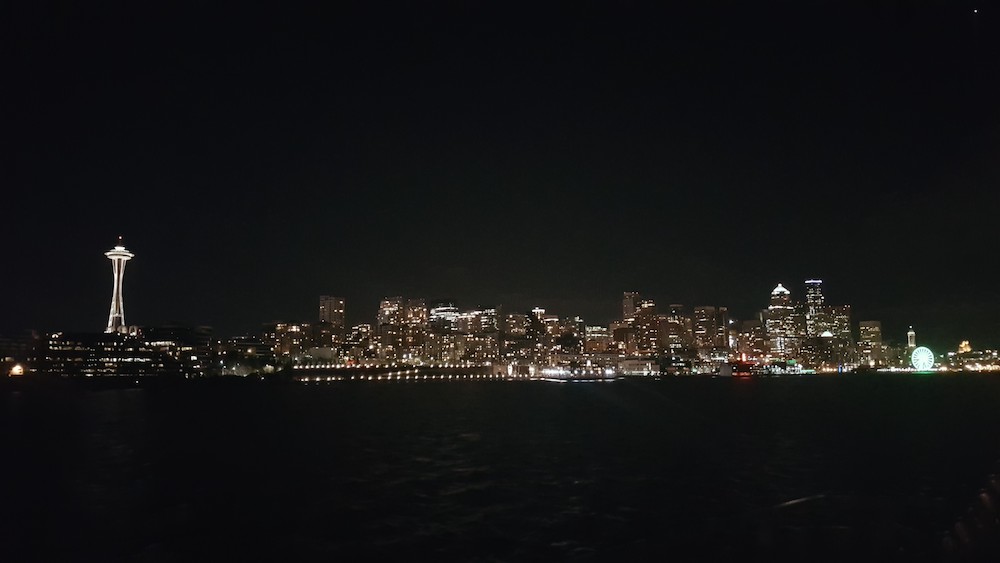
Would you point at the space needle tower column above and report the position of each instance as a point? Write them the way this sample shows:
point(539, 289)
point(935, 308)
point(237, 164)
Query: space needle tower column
point(118, 256)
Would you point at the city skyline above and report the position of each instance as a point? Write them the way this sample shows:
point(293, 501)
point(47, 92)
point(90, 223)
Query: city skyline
point(812, 304)
point(500, 280)
point(547, 157)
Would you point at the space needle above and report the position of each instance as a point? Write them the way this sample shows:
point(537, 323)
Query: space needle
point(118, 256)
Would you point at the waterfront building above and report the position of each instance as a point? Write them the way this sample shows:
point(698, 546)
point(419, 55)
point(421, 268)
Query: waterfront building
point(478, 348)
point(828, 353)
point(288, 339)
point(243, 355)
point(441, 347)
point(163, 351)
point(911, 339)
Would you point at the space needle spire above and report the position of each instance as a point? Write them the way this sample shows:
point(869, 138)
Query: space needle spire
point(118, 256)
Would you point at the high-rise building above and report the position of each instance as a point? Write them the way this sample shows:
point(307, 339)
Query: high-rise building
point(711, 329)
point(598, 339)
point(288, 339)
point(780, 323)
point(390, 327)
point(630, 302)
point(752, 339)
point(870, 332)
point(840, 322)
point(443, 316)
point(870, 342)
point(722, 327)
point(911, 339)
point(416, 312)
point(391, 311)
point(704, 328)
point(814, 295)
point(331, 310)
point(118, 256)
point(515, 325)
point(817, 316)
point(646, 327)
point(676, 332)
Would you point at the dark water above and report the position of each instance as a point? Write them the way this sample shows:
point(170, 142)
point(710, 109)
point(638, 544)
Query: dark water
point(683, 469)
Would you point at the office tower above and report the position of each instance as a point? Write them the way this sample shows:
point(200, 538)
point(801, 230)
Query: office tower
point(646, 327)
point(118, 256)
point(814, 295)
point(780, 323)
point(704, 319)
point(390, 327)
point(443, 316)
point(911, 339)
point(839, 322)
point(722, 338)
point(598, 340)
point(816, 315)
point(870, 342)
point(871, 332)
point(630, 302)
point(676, 334)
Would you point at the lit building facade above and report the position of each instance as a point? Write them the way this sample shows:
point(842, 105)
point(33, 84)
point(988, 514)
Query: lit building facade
point(870, 349)
point(331, 310)
point(630, 302)
point(781, 323)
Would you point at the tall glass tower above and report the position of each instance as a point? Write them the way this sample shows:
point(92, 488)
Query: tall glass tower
point(118, 256)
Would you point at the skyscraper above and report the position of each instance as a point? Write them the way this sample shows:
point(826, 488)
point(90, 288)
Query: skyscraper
point(814, 295)
point(705, 328)
point(630, 302)
point(817, 315)
point(780, 322)
point(911, 339)
point(118, 256)
point(870, 342)
point(645, 325)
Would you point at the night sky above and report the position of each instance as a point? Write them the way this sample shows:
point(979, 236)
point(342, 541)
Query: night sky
point(501, 153)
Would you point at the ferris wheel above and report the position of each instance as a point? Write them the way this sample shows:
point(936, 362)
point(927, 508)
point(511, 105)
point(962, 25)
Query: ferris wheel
point(922, 359)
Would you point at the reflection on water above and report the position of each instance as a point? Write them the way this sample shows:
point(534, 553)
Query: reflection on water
point(686, 469)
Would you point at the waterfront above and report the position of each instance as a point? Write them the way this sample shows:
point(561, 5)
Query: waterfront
point(496, 470)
